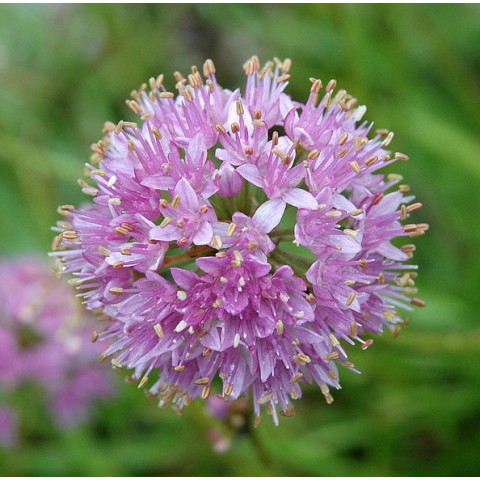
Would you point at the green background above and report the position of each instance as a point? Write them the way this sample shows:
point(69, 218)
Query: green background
point(415, 410)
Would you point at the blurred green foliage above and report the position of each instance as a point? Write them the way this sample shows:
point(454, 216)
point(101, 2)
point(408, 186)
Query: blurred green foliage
point(415, 410)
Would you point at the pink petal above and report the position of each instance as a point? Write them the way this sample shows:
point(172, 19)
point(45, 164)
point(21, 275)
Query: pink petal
point(251, 173)
point(295, 176)
point(341, 203)
point(233, 117)
point(349, 246)
point(211, 339)
point(241, 220)
point(269, 214)
point(158, 182)
point(196, 152)
point(261, 268)
point(286, 105)
point(388, 250)
point(305, 335)
point(188, 197)
point(264, 361)
point(300, 198)
point(185, 279)
point(168, 233)
point(285, 271)
point(208, 264)
point(229, 181)
point(291, 120)
point(204, 235)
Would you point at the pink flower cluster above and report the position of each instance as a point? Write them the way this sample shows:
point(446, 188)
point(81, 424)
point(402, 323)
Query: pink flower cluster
point(240, 235)
point(45, 340)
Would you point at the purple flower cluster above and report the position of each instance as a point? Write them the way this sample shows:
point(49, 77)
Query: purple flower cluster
point(45, 340)
point(242, 236)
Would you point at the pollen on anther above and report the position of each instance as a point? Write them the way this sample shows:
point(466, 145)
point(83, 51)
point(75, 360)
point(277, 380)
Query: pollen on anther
point(116, 290)
point(158, 330)
point(231, 229)
point(355, 166)
point(279, 327)
point(181, 295)
point(350, 299)
point(116, 363)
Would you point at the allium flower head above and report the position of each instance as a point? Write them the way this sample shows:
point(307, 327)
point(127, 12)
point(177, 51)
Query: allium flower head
point(45, 340)
point(239, 239)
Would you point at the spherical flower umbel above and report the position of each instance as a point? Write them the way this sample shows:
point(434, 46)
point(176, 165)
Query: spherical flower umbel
point(239, 240)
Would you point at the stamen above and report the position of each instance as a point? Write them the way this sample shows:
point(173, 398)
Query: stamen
point(231, 229)
point(166, 221)
point(158, 330)
point(350, 232)
point(142, 382)
point(206, 392)
point(343, 139)
point(331, 85)
point(401, 156)
point(418, 302)
point(275, 138)
point(116, 290)
point(209, 68)
point(333, 213)
point(316, 85)
point(302, 358)
point(220, 129)
point(414, 207)
point(217, 241)
point(355, 166)
point(351, 299)
point(326, 393)
point(237, 262)
point(388, 139)
point(354, 329)
point(182, 295)
point(182, 325)
point(378, 198)
point(367, 344)
point(202, 381)
point(334, 340)
point(240, 110)
point(116, 363)
point(104, 251)
point(332, 356)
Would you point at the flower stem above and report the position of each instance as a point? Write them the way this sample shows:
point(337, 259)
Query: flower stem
point(284, 238)
point(281, 232)
point(246, 199)
point(186, 258)
point(299, 264)
point(221, 208)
